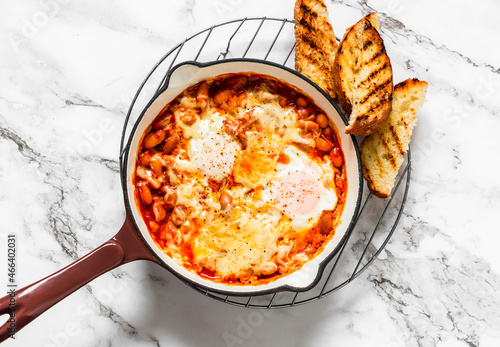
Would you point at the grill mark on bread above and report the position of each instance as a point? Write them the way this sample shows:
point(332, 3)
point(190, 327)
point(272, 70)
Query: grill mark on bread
point(306, 25)
point(312, 44)
point(372, 58)
point(376, 55)
point(387, 149)
point(371, 109)
point(307, 10)
point(397, 140)
point(367, 24)
point(373, 74)
point(313, 59)
point(379, 88)
point(379, 162)
point(367, 44)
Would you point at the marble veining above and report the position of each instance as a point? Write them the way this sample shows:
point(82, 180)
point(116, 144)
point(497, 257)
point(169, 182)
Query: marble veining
point(68, 72)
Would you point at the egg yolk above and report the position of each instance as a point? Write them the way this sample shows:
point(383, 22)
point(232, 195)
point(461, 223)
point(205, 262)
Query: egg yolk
point(296, 192)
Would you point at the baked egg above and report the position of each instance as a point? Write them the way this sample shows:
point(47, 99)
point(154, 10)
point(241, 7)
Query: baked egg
point(241, 179)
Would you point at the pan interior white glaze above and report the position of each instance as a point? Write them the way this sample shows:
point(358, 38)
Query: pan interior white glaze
point(187, 74)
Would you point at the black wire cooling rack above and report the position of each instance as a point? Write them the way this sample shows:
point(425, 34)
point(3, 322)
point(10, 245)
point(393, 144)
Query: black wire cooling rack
point(273, 39)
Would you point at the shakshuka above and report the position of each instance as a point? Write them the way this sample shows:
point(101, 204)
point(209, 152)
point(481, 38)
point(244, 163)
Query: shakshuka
point(241, 179)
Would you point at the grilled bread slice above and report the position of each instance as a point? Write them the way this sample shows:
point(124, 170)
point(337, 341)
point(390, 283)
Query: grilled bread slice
point(382, 152)
point(316, 44)
point(362, 76)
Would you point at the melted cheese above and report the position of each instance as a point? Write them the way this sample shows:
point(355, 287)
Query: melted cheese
point(241, 242)
point(259, 234)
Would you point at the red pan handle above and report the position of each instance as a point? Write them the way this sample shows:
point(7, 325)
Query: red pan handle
point(31, 301)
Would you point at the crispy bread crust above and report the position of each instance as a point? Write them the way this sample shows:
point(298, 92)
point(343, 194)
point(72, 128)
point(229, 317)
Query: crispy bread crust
point(315, 43)
point(371, 184)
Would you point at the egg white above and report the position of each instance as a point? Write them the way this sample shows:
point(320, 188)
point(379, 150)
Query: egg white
point(211, 150)
point(319, 183)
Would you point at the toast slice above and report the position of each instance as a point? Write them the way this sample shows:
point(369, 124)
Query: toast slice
point(315, 43)
point(382, 152)
point(362, 76)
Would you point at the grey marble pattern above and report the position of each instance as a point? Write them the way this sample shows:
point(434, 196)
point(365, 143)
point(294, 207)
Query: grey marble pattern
point(68, 72)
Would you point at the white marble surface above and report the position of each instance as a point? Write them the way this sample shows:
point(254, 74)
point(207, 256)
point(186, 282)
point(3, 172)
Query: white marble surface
point(68, 71)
